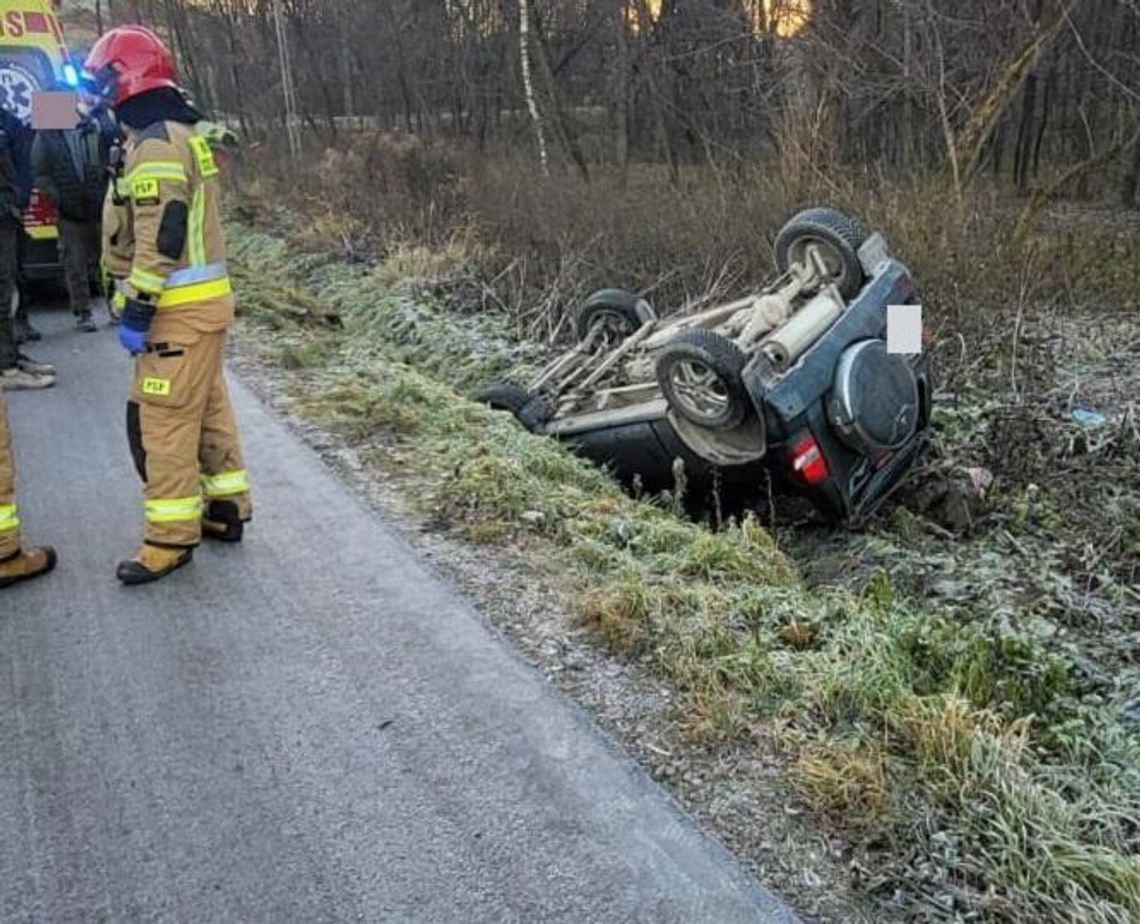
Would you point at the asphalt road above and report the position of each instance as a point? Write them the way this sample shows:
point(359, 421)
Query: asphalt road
point(308, 727)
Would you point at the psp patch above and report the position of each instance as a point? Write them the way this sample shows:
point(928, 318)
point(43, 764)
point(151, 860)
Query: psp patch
point(204, 156)
point(144, 191)
point(158, 388)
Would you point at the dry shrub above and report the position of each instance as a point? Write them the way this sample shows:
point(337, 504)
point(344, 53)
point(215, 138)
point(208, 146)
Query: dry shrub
point(535, 245)
point(620, 613)
point(705, 235)
point(405, 188)
point(848, 782)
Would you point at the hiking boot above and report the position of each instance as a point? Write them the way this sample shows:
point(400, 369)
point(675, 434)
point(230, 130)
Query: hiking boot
point(222, 522)
point(27, 364)
point(25, 565)
point(151, 563)
point(16, 379)
point(85, 323)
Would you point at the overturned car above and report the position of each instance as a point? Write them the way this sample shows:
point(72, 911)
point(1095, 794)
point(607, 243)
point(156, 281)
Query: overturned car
point(790, 389)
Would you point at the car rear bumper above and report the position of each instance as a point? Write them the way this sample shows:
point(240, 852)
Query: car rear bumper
point(39, 256)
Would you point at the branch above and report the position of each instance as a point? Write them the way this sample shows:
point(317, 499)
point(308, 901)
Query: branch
point(972, 140)
point(1043, 194)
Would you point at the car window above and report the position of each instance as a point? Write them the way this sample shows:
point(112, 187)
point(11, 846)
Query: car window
point(23, 71)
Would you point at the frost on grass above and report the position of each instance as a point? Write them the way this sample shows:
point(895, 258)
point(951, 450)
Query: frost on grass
point(984, 774)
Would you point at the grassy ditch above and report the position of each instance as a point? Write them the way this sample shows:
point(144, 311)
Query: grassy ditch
point(977, 769)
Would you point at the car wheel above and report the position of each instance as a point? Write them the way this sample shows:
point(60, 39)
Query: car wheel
point(616, 312)
point(699, 373)
point(531, 410)
point(836, 236)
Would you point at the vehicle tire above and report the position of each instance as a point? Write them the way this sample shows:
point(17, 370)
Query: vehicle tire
point(838, 236)
point(531, 410)
point(621, 312)
point(699, 373)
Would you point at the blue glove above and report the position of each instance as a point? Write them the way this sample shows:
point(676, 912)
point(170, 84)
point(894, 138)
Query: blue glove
point(133, 341)
point(134, 326)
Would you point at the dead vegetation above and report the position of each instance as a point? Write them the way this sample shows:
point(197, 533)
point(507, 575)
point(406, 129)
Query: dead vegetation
point(953, 695)
point(953, 688)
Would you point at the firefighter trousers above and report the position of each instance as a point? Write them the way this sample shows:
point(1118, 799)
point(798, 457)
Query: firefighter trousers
point(9, 521)
point(184, 438)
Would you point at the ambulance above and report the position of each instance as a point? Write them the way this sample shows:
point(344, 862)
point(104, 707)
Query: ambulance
point(34, 57)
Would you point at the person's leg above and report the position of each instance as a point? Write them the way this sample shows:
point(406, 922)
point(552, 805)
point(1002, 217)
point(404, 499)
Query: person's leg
point(73, 253)
point(96, 280)
point(164, 424)
point(9, 521)
point(16, 563)
point(225, 483)
point(16, 370)
point(21, 290)
point(9, 350)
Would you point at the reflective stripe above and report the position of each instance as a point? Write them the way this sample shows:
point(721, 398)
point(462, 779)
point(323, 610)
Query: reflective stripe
point(146, 282)
point(202, 292)
point(225, 484)
point(122, 187)
point(194, 274)
point(9, 522)
point(204, 156)
point(196, 228)
point(42, 232)
point(159, 170)
point(175, 510)
point(178, 280)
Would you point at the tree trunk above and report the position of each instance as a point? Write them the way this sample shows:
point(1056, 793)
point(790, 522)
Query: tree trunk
point(566, 136)
point(621, 91)
point(528, 85)
point(1132, 180)
point(292, 129)
point(1021, 148)
point(346, 64)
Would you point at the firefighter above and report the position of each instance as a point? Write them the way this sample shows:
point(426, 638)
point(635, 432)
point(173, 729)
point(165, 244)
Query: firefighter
point(177, 307)
point(16, 563)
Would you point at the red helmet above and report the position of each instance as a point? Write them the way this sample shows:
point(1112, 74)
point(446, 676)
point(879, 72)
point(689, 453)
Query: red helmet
point(128, 61)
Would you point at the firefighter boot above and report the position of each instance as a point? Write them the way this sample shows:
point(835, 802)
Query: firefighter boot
point(25, 565)
point(222, 521)
point(151, 563)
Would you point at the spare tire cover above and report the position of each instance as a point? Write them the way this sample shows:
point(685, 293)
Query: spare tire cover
point(874, 405)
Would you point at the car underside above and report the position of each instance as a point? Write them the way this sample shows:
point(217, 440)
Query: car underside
point(791, 388)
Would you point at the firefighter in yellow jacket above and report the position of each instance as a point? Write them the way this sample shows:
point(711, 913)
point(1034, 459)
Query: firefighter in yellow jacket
point(16, 563)
point(178, 306)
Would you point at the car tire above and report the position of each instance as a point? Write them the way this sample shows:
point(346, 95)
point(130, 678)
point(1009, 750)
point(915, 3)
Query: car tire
point(531, 410)
point(623, 312)
point(838, 235)
point(699, 373)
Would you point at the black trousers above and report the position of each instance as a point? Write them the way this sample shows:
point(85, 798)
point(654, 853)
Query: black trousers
point(9, 264)
point(79, 252)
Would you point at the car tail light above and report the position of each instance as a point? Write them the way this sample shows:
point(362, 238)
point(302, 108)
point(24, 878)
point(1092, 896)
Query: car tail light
point(40, 211)
point(807, 461)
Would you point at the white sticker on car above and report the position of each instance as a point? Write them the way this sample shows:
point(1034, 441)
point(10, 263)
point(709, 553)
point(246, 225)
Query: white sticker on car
point(904, 329)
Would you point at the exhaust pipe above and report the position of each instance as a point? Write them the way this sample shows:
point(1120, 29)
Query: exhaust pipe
point(792, 340)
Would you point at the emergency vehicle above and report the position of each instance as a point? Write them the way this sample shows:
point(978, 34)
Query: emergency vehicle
point(33, 57)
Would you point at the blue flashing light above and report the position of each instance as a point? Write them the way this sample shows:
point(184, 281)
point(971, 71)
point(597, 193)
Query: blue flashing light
point(70, 75)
